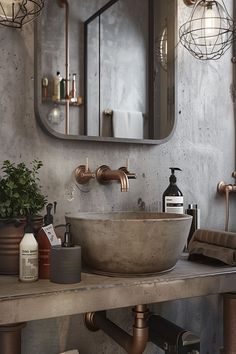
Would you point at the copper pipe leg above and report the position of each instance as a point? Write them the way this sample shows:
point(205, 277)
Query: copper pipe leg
point(135, 344)
point(229, 323)
point(10, 338)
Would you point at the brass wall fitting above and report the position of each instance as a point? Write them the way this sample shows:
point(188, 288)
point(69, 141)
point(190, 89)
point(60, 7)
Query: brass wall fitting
point(135, 344)
point(104, 175)
point(226, 189)
point(83, 174)
point(222, 187)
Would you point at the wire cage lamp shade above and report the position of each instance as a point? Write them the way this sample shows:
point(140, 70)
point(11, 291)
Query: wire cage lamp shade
point(209, 31)
point(16, 13)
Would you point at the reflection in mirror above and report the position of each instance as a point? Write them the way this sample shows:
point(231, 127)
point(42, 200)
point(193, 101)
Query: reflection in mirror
point(110, 76)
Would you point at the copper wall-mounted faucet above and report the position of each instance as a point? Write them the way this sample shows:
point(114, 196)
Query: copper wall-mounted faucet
point(104, 175)
point(226, 189)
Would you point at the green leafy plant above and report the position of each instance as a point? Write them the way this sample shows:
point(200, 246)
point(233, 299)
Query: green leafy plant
point(20, 192)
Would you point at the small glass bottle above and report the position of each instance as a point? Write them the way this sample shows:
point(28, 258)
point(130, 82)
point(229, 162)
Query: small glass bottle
point(56, 87)
point(73, 90)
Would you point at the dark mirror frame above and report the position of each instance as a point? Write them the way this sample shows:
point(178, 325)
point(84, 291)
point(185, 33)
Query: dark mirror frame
point(171, 94)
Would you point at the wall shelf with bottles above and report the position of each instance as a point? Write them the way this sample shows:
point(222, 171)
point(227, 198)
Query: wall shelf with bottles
point(63, 102)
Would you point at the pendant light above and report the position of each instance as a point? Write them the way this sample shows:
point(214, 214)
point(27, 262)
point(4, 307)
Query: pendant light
point(209, 31)
point(16, 13)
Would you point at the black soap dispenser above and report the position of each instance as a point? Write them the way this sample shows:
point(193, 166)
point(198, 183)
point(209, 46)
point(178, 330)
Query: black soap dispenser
point(172, 199)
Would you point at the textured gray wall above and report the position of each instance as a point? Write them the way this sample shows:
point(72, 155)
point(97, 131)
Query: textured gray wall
point(203, 146)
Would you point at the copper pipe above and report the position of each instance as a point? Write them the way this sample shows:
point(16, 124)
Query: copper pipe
point(104, 175)
point(135, 344)
point(222, 187)
point(67, 106)
point(227, 209)
point(10, 338)
point(229, 323)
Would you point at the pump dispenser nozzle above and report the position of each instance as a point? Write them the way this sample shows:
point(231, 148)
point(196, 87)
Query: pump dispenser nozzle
point(48, 218)
point(67, 237)
point(29, 227)
point(172, 176)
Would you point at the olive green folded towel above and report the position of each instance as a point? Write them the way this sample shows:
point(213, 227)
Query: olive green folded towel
point(215, 244)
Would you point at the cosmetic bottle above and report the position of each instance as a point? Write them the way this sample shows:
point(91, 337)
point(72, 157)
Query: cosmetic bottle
point(63, 89)
point(28, 255)
point(46, 238)
point(73, 97)
point(195, 212)
point(172, 199)
point(44, 88)
point(56, 87)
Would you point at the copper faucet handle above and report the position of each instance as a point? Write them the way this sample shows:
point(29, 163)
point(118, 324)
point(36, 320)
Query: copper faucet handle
point(222, 187)
point(100, 174)
point(83, 174)
point(130, 175)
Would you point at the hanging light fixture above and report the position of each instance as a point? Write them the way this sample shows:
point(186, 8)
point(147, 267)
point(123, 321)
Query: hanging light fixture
point(209, 31)
point(16, 13)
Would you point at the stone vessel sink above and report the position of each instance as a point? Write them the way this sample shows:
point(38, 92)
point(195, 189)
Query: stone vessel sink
point(130, 243)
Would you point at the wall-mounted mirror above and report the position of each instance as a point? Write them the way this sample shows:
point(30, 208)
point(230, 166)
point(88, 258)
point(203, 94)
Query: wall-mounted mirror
point(116, 65)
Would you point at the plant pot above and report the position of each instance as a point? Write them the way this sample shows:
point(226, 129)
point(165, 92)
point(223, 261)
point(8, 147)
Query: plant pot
point(11, 233)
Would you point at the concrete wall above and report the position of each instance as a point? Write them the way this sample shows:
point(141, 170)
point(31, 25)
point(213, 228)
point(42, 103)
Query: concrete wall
point(203, 146)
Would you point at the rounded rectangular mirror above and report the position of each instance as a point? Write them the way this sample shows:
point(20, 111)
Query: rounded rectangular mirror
point(105, 70)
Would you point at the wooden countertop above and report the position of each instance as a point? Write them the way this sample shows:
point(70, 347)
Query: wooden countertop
point(42, 299)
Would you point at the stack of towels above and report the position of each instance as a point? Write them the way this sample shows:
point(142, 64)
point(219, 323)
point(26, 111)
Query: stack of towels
point(214, 244)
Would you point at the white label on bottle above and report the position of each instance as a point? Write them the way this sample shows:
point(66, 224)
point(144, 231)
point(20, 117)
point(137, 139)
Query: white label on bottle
point(174, 204)
point(29, 264)
point(50, 233)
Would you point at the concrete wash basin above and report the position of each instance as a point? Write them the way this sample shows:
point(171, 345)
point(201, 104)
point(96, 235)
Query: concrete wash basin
point(130, 243)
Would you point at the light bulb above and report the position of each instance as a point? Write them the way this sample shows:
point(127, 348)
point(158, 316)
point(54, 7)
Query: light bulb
point(211, 26)
point(55, 115)
point(9, 8)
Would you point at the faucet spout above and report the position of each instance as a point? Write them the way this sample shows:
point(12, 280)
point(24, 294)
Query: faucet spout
point(105, 175)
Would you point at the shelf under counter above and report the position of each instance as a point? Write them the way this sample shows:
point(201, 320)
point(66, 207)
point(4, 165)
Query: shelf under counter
point(20, 302)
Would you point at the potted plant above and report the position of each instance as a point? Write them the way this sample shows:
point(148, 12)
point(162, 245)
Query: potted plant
point(20, 195)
